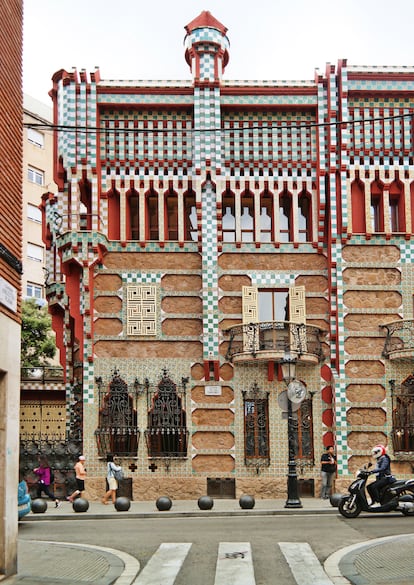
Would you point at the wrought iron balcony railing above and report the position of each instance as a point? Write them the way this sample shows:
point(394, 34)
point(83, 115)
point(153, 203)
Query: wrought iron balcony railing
point(42, 373)
point(399, 341)
point(122, 441)
point(271, 340)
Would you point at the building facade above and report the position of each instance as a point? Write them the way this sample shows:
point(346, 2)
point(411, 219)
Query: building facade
point(11, 13)
point(204, 233)
point(37, 176)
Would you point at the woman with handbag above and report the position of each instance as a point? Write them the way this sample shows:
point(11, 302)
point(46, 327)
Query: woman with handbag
point(113, 472)
point(45, 480)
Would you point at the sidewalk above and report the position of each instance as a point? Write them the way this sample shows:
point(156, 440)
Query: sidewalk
point(374, 562)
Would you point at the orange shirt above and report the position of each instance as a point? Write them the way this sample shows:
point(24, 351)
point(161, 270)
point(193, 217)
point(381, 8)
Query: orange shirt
point(80, 471)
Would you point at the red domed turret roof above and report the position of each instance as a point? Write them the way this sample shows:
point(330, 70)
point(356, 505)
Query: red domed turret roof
point(205, 19)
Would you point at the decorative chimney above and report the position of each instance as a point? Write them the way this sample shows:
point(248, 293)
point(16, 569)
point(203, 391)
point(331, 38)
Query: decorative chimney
point(206, 48)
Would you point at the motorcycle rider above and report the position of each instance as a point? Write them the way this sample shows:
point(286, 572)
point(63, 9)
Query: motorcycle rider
point(383, 471)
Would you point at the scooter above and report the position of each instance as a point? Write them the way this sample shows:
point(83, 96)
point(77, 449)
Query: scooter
point(396, 496)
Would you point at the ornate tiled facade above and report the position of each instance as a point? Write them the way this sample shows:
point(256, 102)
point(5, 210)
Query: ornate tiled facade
point(189, 192)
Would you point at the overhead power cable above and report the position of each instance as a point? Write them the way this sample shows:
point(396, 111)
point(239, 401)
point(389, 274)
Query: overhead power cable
point(281, 125)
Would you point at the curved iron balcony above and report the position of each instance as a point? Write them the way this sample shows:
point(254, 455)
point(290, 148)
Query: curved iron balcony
point(399, 341)
point(272, 340)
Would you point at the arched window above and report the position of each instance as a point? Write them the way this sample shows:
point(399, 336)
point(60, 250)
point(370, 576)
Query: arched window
point(266, 217)
point(403, 415)
point(117, 432)
point(247, 217)
point(304, 217)
point(285, 217)
point(190, 217)
point(132, 223)
point(167, 427)
point(85, 219)
point(152, 223)
point(397, 207)
point(229, 217)
point(358, 207)
point(171, 215)
point(114, 211)
point(377, 207)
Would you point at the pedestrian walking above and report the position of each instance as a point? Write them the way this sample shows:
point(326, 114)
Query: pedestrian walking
point(44, 482)
point(328, 469)
point(80, 474)
point(112, 473)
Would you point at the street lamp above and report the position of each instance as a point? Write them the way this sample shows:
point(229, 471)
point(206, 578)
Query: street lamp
point(288, 366)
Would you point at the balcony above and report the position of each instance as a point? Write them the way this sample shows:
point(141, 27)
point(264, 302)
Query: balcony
point(272, 340)
point(399, 341)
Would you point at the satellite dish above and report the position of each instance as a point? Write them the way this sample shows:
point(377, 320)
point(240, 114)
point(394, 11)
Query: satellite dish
point(296, 391)
point(282, 400)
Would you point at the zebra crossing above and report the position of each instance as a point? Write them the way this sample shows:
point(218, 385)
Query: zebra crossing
point(235, 564)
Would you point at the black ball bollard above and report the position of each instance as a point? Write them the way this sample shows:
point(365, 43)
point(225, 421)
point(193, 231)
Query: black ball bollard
point(80, 505)
point(247, 502)
point(163, 503)
point(39, 506)
point(122, 504)
point(335, 499)
point(205, 503)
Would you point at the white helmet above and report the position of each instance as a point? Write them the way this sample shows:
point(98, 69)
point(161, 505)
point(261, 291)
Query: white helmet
point(378, 451)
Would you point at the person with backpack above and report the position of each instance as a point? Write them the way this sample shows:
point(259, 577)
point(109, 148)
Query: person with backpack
point(45, 479)
point(382, 470)
point(113, 475)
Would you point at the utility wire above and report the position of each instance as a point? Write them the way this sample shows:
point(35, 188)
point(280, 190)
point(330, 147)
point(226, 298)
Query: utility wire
point(264, 126)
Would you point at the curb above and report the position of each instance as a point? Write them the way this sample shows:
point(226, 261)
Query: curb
point(332, 563)
point(172, 514)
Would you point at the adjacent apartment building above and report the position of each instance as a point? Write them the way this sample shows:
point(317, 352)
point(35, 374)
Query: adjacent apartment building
point(204, 234)
point(11, 151)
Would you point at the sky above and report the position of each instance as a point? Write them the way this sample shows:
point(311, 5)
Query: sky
point(269, 39)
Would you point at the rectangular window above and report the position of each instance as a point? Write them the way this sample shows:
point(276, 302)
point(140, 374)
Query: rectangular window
point(35, 252)
point(304, 421)
point(273, 305)
point(36, 176)
point(35, 137)
point(256, 428)
point(34, 291)
point(34, 213)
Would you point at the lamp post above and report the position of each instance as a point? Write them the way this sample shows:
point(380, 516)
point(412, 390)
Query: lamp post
point(288, 366)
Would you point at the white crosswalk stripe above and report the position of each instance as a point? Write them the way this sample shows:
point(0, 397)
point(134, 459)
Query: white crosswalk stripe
point(234, 564)
point(304, 564)
point(164, 565)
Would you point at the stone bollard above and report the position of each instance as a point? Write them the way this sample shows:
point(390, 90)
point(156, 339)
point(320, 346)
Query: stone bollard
point(205, 503)
point(247, 502)
point(163, 503)
point(39, 506)
point(80, 505)
point(122, 504)
point(335, 499)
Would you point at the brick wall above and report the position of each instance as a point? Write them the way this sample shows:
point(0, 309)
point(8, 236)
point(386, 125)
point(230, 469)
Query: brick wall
point(11, 15)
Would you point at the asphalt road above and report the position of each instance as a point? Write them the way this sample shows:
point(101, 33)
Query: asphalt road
point(141, 538)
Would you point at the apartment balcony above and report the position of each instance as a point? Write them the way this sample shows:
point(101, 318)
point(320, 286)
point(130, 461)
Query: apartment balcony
point(42, 378)
point(399, 341)
point(272, 341)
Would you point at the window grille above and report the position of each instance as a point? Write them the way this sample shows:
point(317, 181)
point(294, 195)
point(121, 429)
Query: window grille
point(118, 426)
point(256, 427)
point(403, 415)
point(167, 434)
